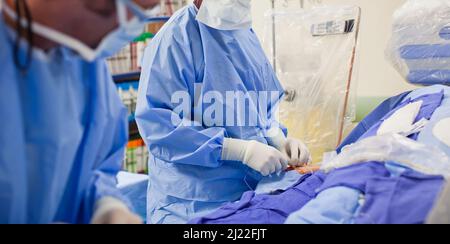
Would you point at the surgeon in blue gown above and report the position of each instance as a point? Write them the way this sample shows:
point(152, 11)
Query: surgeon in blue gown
point(198, 163)
point(64, 128)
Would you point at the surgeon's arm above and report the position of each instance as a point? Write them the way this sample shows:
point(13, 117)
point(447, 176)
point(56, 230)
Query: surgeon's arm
point(172, 65)
point(103, 202)
point(179, 143)
point(175, 139)
point(106, 203)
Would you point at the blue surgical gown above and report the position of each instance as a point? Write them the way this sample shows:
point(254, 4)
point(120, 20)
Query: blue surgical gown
point(63, 136)
point(187, 176)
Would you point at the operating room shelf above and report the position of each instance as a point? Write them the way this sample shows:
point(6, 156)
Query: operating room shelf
point(127, 77)
point(133, 131)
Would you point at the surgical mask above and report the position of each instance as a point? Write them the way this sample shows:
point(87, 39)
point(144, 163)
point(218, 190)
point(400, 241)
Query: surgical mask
point(112, 43)
point(226, 14)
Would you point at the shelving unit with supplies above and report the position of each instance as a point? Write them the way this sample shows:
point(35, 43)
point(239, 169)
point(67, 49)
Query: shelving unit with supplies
point(125, 67)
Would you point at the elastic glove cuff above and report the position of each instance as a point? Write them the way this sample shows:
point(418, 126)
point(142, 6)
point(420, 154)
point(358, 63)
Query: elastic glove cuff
point(277, 138)
point(234, 149)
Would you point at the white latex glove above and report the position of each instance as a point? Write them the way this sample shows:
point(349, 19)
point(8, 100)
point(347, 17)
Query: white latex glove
point(294, 149)
point(265, 159)
point(109, 210)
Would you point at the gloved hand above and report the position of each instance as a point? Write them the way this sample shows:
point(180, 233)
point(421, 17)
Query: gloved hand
point(258, 156)
point(108, 210)
point(297, 152)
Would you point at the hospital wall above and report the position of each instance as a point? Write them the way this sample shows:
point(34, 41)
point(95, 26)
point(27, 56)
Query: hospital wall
point(377, 78)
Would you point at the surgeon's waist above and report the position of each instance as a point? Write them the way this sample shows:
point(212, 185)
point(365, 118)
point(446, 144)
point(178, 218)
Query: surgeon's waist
point(201, 184)
point(225, 190)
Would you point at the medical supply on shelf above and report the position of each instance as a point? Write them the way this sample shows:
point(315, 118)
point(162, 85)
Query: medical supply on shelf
point(129, 58)
point(136, 157)
point(169, 7)
point(128, 95)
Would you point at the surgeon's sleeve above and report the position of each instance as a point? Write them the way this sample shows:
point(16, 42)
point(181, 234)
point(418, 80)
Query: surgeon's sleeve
point(111, 152)
point(169, 73)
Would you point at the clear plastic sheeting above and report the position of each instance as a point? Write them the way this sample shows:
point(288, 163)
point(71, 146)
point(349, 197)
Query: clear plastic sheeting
point(313, 52)
point(420, 43)
point(392, 148)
